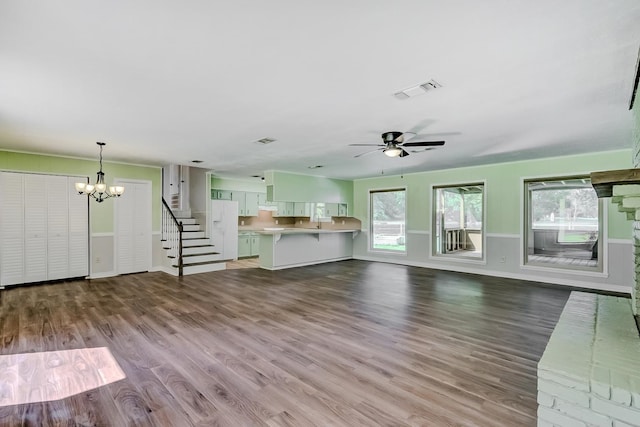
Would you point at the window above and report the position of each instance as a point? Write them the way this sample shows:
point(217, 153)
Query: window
point(388, 220)
point(458, 221)
point(563, 218)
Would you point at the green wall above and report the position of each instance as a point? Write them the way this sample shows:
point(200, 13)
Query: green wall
point(101, 213)
point(503, 190)
point(291, 187)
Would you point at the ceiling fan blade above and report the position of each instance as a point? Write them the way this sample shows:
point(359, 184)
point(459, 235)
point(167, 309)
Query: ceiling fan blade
point(367, 145)
point(367, 152)
point(422, 150)
point(403, 154)
point(424, 144)
point(420, 126)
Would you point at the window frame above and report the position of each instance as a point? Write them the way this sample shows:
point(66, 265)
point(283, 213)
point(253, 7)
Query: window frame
point(370, 242)
point(433, 252)
point(600, 270)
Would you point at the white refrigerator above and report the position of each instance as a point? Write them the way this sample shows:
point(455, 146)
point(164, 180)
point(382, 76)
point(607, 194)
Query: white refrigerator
point(224, 228)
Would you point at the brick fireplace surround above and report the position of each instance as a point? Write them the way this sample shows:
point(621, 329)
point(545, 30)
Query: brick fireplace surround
point(589, 374)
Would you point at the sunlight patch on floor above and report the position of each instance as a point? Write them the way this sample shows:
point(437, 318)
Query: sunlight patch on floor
point(54, 375)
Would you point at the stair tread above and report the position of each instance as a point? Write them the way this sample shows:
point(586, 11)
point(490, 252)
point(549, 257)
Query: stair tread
point(201, 254)
point(203, 263)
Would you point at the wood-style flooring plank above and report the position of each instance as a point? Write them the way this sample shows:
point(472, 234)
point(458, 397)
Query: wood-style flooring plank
point(350, 343)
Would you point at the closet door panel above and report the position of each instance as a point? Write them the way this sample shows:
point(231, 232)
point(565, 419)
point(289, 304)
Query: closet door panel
point(124, 211)
point(133, 228)
point(57, 227)
point(78, 223)
point(142, 226)
point(11, 228)
point(35, 228)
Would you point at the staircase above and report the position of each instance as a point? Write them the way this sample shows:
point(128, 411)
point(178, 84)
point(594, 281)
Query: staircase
point(198, 254)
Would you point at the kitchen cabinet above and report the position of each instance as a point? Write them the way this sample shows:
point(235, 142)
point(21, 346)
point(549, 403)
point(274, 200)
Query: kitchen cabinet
point(335, 209)
point(302, 209)
point(248, 244)
point(247, 202)
point(244, 245)
point(240, 197)
point(284, 209)
point(251, 204)
point(330, 209)
point(255, 245)
point(220, 194)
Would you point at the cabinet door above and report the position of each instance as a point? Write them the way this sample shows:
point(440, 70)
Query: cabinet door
point(223, 194)
point(301, 209)
point(281, 209)
point(11, 228)
point(342, 209)
point(244, 245)
point(255, 245)
point(241, 198)
point(289, 208)
point(331, 209)
point(251, 204)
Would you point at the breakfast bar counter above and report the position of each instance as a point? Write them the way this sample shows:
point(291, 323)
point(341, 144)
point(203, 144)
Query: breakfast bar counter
point(295, 247)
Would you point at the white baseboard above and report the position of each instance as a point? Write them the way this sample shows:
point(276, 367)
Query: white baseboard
point(304, 264)
point(102, 275)
point(508, 275)
point(164, 269)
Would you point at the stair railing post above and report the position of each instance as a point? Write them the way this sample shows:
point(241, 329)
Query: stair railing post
point(180, 265)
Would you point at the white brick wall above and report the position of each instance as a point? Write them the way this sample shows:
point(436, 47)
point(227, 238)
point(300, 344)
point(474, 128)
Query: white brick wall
point(589, 374)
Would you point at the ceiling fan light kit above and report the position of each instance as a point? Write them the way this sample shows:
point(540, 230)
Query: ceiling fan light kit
point(392, 151)
point(393, 144)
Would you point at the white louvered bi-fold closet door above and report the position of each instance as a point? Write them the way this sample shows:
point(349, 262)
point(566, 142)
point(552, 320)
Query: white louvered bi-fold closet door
point(133, 227)
point(11, 228)
point(35, 228)
point(43, 228)
point(78, 217)
point(57, 196)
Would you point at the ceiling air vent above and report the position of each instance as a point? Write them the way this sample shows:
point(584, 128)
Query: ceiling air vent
point(416, 90)
point(265, 141)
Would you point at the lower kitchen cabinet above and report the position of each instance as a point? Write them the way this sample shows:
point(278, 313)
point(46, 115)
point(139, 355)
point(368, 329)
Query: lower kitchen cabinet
point(248, 244)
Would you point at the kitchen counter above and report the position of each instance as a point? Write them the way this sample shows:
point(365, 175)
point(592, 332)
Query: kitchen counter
point(274, 231)
point(296, 247)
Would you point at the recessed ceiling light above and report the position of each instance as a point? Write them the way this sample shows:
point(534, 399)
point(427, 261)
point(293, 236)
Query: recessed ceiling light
point(265, 141)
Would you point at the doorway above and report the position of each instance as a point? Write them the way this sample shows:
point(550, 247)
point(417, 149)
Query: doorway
point(132, 215)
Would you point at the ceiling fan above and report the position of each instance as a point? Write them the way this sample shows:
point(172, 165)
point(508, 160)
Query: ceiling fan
point(393, 144)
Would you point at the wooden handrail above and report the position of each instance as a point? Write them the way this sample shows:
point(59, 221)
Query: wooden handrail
point(178, 229)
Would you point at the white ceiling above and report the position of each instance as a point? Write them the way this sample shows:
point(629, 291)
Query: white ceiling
point(174, 81)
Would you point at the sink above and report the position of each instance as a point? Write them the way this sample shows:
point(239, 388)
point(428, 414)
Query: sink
point(273, 228)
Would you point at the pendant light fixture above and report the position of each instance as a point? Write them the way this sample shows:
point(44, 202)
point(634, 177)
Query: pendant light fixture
point(99, 190)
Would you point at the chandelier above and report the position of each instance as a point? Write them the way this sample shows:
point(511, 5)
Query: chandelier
point(99, 190)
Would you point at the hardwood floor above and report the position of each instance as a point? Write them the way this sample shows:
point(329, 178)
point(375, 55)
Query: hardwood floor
point(351, 343)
